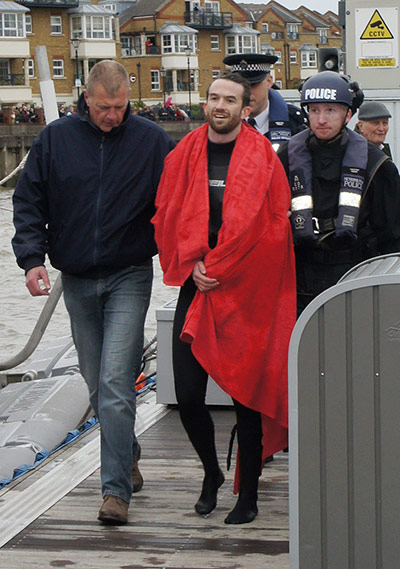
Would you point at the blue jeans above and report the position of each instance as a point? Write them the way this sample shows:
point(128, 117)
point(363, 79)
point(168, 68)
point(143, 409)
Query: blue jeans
point(107, 321)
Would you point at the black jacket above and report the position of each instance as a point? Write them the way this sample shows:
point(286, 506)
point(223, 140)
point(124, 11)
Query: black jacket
point(319, 264)
point(86, 197)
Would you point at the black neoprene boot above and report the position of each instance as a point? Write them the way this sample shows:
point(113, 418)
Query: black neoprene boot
point(249, 434)
point(208, 497)
point(245, 509)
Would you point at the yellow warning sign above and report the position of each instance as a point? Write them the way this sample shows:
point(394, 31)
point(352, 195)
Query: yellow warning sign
point(377, 62)
point(376, 29)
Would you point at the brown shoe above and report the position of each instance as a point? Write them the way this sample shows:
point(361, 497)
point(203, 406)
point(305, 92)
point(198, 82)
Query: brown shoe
point(137, 478)
point(113, 511)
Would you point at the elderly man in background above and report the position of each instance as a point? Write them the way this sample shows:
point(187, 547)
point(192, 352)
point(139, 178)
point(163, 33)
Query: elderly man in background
point(373, 124)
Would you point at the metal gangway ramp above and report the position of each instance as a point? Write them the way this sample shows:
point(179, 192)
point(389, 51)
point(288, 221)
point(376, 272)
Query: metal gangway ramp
point(344, 407)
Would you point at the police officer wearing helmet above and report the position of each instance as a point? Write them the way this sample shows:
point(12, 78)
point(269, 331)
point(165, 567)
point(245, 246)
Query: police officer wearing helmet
point(270, 114)
point(373, 124)
point(345, 191)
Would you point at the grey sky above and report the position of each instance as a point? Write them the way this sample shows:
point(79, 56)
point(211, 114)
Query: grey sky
point(321, 5)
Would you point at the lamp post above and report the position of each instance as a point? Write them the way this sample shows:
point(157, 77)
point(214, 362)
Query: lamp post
point(139, 83)
point(163, 73)
point(75, 44)
point(188, 51)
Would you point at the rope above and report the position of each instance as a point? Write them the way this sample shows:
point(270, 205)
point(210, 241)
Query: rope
point(15, 171)
point(38, 330)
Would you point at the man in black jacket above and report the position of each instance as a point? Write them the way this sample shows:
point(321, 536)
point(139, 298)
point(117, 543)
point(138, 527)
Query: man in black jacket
point(85, 198)
point(345, 191)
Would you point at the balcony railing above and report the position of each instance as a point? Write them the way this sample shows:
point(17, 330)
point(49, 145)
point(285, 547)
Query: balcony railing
point(12, 79)
point(207, 19)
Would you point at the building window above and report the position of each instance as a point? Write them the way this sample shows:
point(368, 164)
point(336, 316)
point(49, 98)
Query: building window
point(211, 6)
point(58, 68)
point(97, 27)
point(182, 41)
point(127, 46)
point(241, 44)
point(215, 74)
point(177, 43)
point(91, 27)
point(111, 7)
point(309, 59)
point(28, 24)
point(76, 26)
point(293, 57)
point(292, 31)
point(56, 25)
point(214, 43)
point(167, 44)
point(155, 80)
point(278, 83)
point(11, 26)
point(323, 38)
point(31, 68)
point(264, 28)
point(278, 54)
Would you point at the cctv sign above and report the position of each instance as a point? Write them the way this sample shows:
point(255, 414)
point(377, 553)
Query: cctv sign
point(376, 32)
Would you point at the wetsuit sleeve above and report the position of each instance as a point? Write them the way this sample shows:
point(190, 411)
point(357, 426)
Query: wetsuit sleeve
point(385, 207)
point(31, 210)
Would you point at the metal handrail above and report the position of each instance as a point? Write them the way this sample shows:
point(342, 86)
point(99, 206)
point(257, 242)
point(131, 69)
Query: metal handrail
point(39, 329)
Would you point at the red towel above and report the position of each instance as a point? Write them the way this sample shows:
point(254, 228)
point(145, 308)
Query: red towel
point(239, 331)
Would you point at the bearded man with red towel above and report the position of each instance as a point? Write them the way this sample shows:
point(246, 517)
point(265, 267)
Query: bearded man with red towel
point(223, 235)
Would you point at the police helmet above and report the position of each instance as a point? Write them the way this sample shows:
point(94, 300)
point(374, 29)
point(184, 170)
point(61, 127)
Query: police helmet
point(331, 87)
point(371, 110)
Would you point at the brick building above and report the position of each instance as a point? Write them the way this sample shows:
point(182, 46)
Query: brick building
point(170, 48)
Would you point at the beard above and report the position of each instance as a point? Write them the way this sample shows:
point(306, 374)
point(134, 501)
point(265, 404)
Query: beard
point(228, 125)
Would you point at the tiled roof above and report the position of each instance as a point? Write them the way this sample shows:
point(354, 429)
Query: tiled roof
point(142, 8)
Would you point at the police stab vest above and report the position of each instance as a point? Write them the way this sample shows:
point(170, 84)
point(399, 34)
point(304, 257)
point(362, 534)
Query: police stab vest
point(352, 184)
point(279, 127)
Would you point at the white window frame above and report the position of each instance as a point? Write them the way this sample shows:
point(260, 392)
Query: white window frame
point(155, 80)
point(278, 83)
point(214, 43)
point(98, 27)
point(278, 54)
point(31, 68)
point(58, 69)
point(56, 25)
point(28, 24)
point(293, 57)
point(76, 27)
point(309, 59)
point(177, 43)
point(127, 46)
point(241, 43)
point(264, 27)
point(215, 73)
point(92, 27)
point(212, 6)
point(12, 25)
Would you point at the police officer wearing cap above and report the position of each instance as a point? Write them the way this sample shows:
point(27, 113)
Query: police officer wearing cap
point(270, 114)
point(373, 124)
point(345, 191)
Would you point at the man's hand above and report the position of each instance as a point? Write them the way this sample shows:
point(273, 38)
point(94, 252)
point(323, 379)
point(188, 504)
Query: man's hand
point(203, 283)
point(37, 281)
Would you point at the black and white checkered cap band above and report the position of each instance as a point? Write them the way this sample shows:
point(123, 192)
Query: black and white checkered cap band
point(245, 66)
